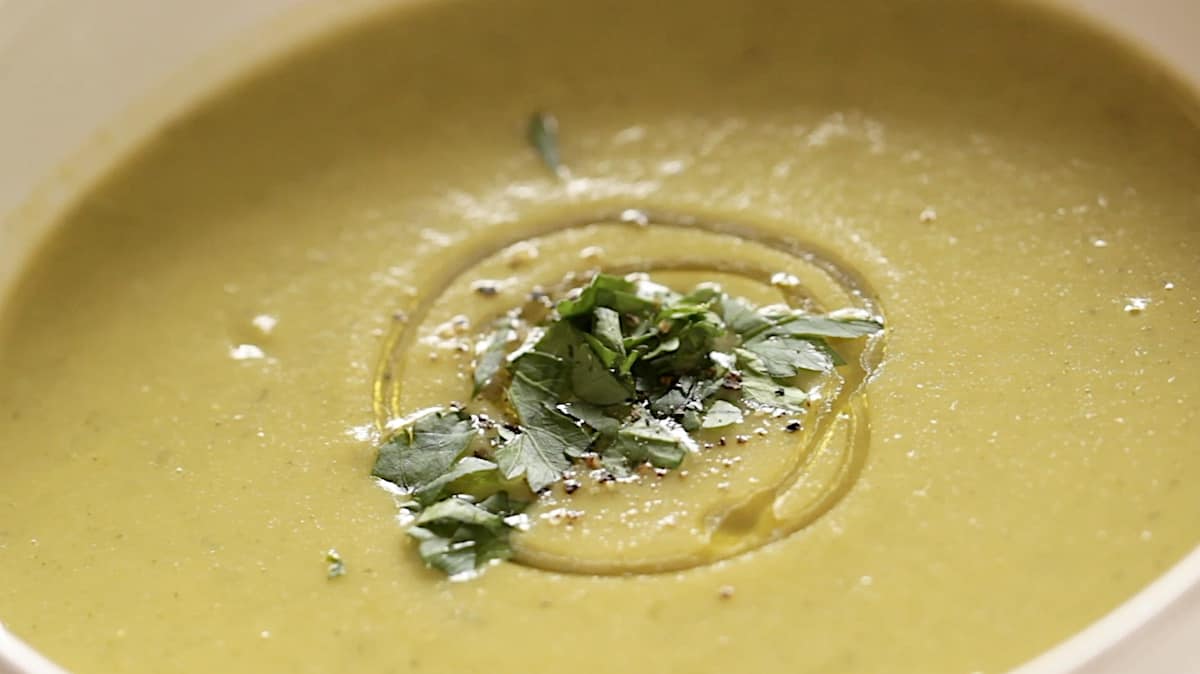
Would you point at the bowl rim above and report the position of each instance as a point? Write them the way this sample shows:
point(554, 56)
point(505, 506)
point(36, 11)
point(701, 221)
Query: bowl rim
point(1112, 642)
point(1106, 646)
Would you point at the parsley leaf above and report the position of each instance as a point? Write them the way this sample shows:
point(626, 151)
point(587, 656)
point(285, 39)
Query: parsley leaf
point(658, 442)
point(492, 355)
point(540, 451)
point(607, 330)
point(722, 414)
point(471, 475)
point(594, 383)
point(625, 369)
point(809, 325)
point(784, 356)
point(669, 404)
point(540, 376)
point(458, 536)
point(425, 448)
point(666, 346)
point(594, 418)
point(454, 556)
point(740, 317)
point(766, 394)
point(458, 511)
point(607, 291)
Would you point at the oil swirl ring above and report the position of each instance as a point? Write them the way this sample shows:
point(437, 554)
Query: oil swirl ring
point(764, 481)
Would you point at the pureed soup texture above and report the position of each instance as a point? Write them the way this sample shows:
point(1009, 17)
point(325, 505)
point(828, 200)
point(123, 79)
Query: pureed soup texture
point(204, 364)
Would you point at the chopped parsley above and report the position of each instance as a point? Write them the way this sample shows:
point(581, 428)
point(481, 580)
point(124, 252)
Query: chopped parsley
point(621, 374)
point(543, 135)
point(336, 566)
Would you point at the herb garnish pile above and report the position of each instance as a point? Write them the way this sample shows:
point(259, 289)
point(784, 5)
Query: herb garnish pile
point(617, 376)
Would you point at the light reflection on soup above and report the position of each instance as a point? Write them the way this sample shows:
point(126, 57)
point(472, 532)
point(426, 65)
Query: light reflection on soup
point(187, 366)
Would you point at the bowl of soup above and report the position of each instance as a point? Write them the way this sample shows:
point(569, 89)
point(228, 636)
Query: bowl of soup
point(254, 256)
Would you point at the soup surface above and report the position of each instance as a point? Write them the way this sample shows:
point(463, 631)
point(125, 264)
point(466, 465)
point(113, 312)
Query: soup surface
point(188, 366)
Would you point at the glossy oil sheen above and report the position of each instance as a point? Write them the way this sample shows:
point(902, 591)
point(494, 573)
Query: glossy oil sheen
point(165, 507)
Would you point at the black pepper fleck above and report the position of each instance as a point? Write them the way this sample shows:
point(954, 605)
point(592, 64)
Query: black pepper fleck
point(486, 288)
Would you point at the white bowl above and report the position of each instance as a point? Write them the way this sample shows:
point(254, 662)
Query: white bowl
point(68, 69)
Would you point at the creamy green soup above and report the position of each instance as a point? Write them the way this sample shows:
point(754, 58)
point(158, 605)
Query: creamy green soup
point(195, 367)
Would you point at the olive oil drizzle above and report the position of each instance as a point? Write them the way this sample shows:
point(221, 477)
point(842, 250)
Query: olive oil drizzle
point(835, 441)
